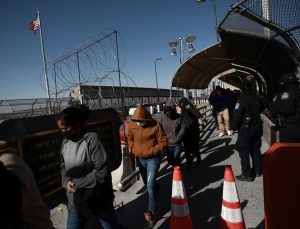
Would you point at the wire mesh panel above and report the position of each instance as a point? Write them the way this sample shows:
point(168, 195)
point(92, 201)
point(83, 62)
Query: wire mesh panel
point(271, 19)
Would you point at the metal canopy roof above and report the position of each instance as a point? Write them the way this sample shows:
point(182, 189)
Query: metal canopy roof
point(199, 70)
point(250, 44)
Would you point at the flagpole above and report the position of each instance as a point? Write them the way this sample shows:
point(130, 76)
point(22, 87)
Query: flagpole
point(44, 62)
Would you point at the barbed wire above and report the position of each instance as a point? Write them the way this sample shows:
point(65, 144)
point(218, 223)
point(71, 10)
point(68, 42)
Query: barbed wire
point(101, 56)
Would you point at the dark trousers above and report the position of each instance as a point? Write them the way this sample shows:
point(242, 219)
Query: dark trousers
point(248, 145)
point(191, 147)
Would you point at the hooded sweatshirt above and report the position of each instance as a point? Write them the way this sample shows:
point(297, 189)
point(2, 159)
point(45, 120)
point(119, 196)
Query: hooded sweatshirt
point(146, 141)
point(174, 127)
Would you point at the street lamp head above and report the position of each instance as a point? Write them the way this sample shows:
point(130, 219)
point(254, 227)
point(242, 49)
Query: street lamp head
point(173, 44)
point(200, 1)
point(157, 59)
point(191, 48)
point(173, 52)
point(189, 39)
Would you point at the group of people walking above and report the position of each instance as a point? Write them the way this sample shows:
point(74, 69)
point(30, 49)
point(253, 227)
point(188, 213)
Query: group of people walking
point(84, 161)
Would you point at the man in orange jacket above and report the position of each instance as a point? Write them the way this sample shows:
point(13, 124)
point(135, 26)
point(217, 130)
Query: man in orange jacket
point(146, 140)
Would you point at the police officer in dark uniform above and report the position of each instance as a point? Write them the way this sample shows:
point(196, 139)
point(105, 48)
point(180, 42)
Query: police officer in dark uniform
point(285, 109)
point(246, 119)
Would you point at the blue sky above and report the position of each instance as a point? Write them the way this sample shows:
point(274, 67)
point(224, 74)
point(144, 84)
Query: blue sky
point(145, 28)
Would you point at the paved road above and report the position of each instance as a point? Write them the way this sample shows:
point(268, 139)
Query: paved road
point(204, 187)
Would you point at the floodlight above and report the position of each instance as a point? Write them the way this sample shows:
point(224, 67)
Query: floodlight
point(173, 52)
point(189, 39)
point(191, 48)
point(173, 44)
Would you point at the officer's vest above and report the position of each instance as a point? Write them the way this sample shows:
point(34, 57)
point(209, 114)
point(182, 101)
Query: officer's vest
point(287, 103)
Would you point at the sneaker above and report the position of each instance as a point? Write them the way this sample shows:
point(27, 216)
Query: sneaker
point(221, 134)
point(149, 219)
point(229, 132)
point(244, 178)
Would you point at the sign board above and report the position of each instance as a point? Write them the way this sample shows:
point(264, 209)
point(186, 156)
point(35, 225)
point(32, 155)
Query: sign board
point(41, 151)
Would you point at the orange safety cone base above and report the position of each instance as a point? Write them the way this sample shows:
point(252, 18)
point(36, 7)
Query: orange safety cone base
point(181, 222)
point(229, 225)
point(231, 216)
point(180, 214)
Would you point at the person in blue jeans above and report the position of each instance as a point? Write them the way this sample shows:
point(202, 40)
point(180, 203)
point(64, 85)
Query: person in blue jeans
point(174, 128)
point(85, 173)
point(147, 140)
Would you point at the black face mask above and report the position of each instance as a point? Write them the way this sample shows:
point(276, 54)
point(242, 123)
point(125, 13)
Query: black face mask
point(68, 134)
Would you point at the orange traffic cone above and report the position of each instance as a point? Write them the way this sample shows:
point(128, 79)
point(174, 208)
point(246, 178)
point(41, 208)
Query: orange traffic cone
point(180, 214)
point(231, 216)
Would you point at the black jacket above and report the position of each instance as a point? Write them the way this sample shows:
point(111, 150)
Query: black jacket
point(286, 104)
point(247, 106)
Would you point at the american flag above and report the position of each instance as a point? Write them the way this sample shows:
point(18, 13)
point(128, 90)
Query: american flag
point(34, 24)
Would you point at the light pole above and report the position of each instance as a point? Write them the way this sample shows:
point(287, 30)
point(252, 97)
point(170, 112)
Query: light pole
point(215, 15)
point(157, 59)
point(188, 40)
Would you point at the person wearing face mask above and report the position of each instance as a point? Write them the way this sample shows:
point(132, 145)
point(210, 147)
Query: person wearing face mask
point(21, 204)
point(85, 173)
point(174, 128)
point(147, 140)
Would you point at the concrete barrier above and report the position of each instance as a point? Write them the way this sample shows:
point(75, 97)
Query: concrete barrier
point(282, 186)
point(270, 134)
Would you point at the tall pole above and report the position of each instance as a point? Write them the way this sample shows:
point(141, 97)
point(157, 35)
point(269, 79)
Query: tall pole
point(119, 72)
point(181, 58)
point(156, 78)
point(215, 17)
point(44, 63)
point(265, 5)
point(79, 78)
point(55, 82)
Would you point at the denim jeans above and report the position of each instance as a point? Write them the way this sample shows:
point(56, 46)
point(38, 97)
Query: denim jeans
point(105, 218)
point(149, 170)
point(173, 154)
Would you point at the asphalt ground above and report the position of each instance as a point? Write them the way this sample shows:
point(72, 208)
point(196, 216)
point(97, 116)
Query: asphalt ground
point(203, 186)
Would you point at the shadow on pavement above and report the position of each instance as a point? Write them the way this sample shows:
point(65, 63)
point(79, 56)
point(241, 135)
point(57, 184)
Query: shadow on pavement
point(205, 206)
point(203, 185)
